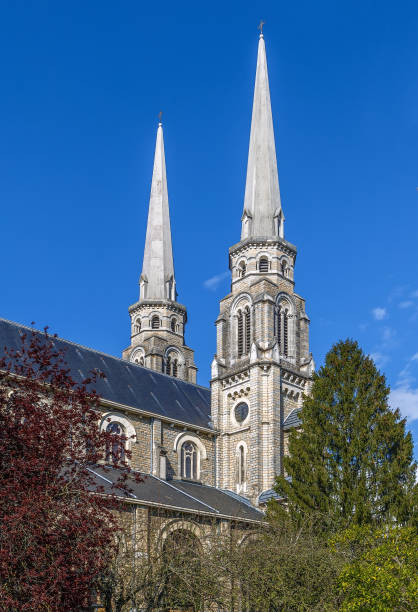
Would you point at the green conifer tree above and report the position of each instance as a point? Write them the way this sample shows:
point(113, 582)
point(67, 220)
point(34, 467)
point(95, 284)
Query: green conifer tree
point(351, 461)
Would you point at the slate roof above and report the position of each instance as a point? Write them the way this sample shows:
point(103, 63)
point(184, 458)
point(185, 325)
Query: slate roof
point(265, 496)
point(292, 420)
point(179, 495)
point(126, 383)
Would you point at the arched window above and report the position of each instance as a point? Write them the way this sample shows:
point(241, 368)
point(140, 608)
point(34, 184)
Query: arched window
point(189, 460)
point(240, 466)
point(242, 269)
point(168, 365)
point(175, 368)
point(173, 325)
point(247, 330)
point(282, 323)
point(155, 322)
point(283, 265)
point(137, 326)
point(285, 332)
point(240, 334)
point(115, 447)
point(141, 361)
point(263, 265)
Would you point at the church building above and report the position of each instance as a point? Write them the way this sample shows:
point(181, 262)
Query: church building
point(209, 452)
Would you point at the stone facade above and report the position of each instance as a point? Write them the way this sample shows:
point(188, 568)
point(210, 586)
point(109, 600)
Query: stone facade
point(155, 445)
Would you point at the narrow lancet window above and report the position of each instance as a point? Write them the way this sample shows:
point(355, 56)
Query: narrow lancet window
point(285, 333)
point(240, 334)
point(247, 330)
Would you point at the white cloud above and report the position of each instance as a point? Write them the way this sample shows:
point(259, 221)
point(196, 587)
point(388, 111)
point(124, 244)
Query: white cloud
point(406, 304)
point(379, 313)
point(388, 334)
point(213, 282)
point(406, 399)
point(414, 357)
point(380, 359)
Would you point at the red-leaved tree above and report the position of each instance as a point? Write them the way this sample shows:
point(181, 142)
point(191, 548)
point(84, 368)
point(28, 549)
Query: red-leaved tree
point(57, 525)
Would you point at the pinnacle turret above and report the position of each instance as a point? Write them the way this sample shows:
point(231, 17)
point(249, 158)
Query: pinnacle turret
point(262, 215)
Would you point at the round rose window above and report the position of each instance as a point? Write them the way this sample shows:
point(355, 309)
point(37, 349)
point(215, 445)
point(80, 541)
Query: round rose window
point(241, 412)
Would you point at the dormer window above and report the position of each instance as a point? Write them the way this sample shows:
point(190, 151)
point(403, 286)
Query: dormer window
point(155, 322)
point(263, 265)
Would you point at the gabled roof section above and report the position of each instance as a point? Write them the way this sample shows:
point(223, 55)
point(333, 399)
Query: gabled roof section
point(126, 383)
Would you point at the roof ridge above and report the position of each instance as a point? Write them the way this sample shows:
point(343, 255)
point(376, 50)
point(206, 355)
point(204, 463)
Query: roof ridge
point(87, 348)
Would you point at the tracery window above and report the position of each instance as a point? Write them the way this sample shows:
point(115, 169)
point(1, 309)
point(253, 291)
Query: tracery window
point(189, 460)
point(115, 449)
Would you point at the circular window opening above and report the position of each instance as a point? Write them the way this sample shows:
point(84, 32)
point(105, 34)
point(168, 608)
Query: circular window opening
point(241, 412)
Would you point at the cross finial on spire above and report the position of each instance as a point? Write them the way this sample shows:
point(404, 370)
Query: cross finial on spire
point(260, 27)
point(160, 116)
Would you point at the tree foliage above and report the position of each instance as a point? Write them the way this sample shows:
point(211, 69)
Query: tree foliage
point(55, 535)
point(382, 573)
point(351, 461)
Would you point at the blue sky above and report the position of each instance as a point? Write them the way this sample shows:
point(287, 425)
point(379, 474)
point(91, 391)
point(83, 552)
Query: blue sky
point(82, 84)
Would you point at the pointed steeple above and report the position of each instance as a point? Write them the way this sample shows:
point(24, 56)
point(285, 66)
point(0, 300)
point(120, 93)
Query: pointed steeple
point(157, 279)
point(262, 216)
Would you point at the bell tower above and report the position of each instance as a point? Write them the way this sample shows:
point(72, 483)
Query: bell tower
point(158, 321)
point(262, 364)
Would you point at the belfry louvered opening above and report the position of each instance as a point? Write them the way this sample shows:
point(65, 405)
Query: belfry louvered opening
point(282, 328)
point(244, 332)
point(263, 265)
point(155, 322)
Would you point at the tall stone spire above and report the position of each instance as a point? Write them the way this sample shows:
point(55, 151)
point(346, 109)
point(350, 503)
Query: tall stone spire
point(158, 321)
point(262, 216)
point(157, 279)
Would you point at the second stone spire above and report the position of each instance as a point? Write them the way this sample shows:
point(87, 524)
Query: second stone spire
point(158, 321)
point(157, 280)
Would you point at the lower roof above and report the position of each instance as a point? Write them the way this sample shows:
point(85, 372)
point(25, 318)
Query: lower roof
point(179, 495)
